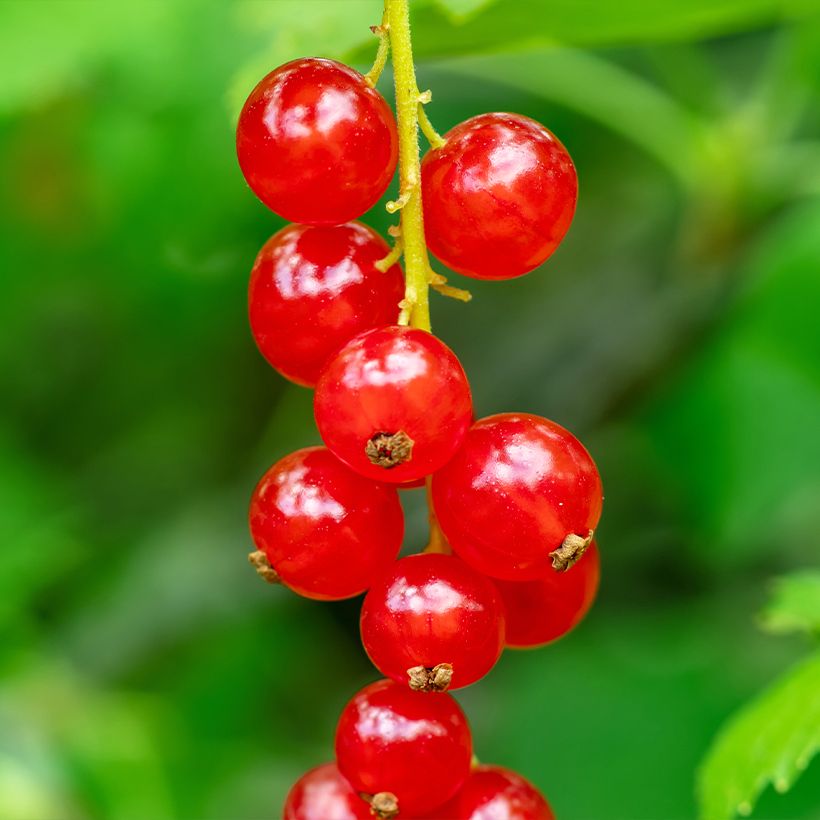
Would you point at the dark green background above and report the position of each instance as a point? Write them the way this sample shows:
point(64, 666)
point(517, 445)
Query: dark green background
point(146, 672)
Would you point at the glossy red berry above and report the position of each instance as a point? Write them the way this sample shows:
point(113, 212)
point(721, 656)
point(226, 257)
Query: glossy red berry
point(326, 531)
point(543, 610)
point(520, 498)
point(495, 793)
point(430, 610)
point(498, 196)
point(317, 144)
point(313, 289)
point(394, 404)
point(412, 745)
point(323, 794)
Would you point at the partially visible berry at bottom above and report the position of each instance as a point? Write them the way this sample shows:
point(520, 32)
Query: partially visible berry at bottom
point(323, 794)
point(495, 793)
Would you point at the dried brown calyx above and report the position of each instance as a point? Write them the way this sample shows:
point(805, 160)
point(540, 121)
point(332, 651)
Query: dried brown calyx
point(430, 679)
point(259, 561)
point(384, 805)
point(389, 449)
point(572, 548)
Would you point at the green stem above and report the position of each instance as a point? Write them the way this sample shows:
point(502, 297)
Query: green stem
point(372, 76)
point(417, 271)
point(416, 305)
point(433, 137)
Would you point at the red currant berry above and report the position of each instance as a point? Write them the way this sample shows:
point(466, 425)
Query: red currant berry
point(520, 498)
point(316, 143)
point(313, 289)
point(323, 794)
point(543, 610)
point(494, 793)
point(435, 619)
point(498, 196)
point(326, 531)
point(413, 746)
point(394, 404)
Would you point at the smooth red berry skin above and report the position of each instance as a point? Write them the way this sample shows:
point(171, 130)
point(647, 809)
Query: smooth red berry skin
point(323, 794)
point(316, 144)
point(312, 289)
point(541, 611)
point(495, 793)
point(517, 487)
point(326, 531)
point(413, 744)
point(394, 379)
point(432, 609)
point(498, 196)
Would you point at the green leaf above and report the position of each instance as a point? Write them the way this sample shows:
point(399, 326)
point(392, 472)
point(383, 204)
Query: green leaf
point(460, 10)
point(602, 91)
point(71, 37)
point(795, 604)
point(508, 24)
point(770, 740)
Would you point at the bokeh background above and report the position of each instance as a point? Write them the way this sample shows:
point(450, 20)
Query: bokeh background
point(145, 671)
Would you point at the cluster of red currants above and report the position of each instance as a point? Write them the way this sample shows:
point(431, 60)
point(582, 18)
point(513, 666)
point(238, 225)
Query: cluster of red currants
point(515, 497)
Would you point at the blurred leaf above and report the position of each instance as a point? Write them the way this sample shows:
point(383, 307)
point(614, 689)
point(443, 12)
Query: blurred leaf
point(70, 38)
point(26, 793)
point(508, 25)
point(771, 740)
point(732, 424)
point(460, 10)
point(795, 604)
point(37, 531)
point(61, 729)
point(602, 91)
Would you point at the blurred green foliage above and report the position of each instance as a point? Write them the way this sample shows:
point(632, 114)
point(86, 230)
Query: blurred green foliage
point(795, 604)
point(144, 670)
point(770, 740)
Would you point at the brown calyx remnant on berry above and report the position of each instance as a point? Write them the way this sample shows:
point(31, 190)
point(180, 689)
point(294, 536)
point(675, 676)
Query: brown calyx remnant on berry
point(389, 449)
point(426, 679)
point(572, 548)
point(259, 561)
point(384, 805)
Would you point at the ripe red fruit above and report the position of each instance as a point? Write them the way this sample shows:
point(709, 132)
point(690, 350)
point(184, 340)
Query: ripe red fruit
point(520, 498)
point(494, 793)
point(413, 745)
point(498, 196)
point(543, 610)
point(323, 794)
point(394, 404)
point(325, 530)
point(313, 289)
point(316, 144)
point(429, 610)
